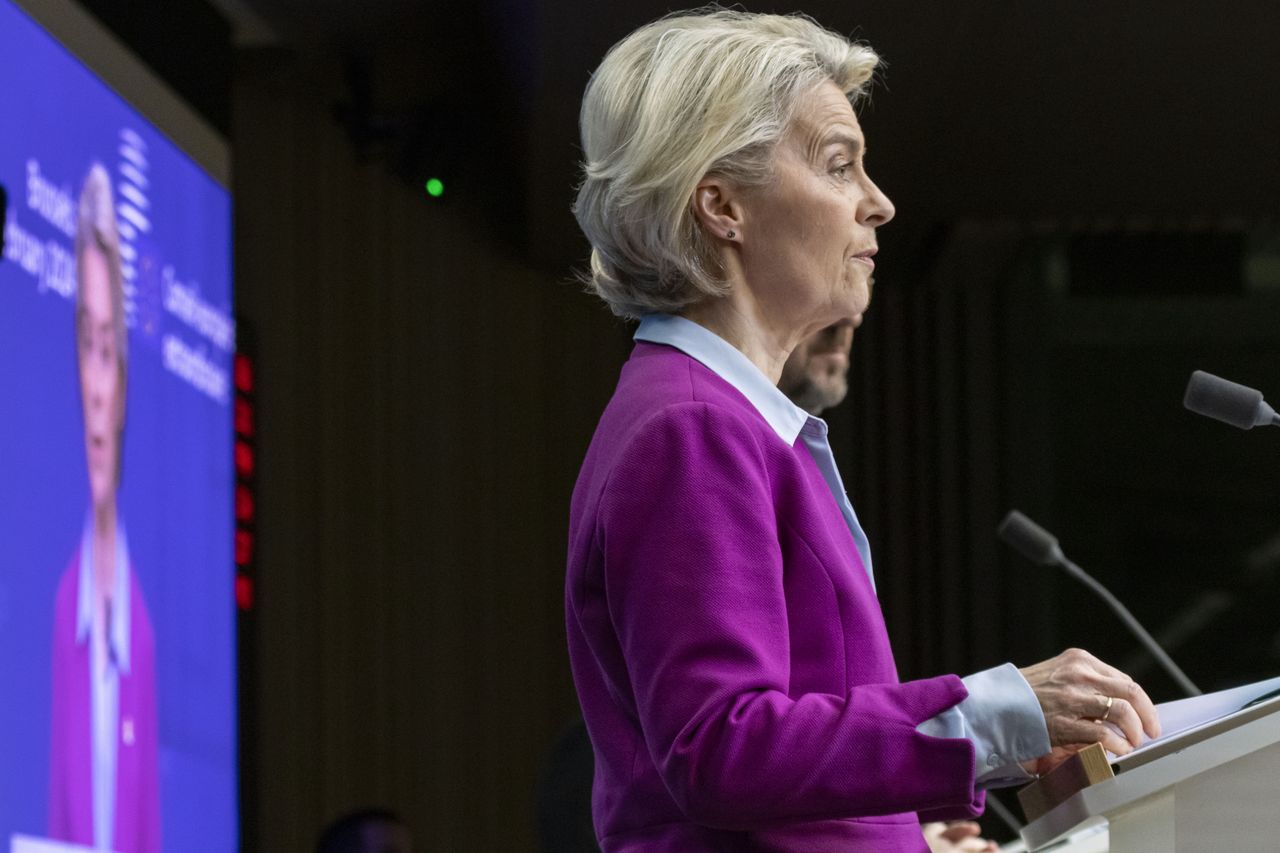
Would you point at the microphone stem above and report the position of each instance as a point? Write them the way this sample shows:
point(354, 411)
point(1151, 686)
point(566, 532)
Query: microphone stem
point(1123, 612)
point(1003, 812)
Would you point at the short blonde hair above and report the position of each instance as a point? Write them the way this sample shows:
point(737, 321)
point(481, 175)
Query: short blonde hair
point(691, 94)
point(96, 228)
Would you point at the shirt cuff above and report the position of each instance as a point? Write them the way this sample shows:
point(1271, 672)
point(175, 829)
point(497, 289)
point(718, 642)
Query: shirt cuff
point(1002, 717)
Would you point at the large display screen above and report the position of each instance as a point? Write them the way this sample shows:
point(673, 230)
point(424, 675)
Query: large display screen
point(117, 613)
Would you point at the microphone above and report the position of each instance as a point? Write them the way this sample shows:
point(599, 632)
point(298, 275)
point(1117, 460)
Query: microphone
point(1226, 401)
point(1038, 545)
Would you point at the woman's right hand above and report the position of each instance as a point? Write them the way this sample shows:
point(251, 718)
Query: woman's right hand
point(1086, 701)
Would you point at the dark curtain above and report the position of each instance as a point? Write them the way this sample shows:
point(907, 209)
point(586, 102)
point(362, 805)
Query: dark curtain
point(425, 401)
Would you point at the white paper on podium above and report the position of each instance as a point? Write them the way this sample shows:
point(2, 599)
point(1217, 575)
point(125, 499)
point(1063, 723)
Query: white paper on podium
point(1186, 715)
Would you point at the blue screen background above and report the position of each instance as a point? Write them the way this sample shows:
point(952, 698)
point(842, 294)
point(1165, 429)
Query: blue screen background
point(176, 495)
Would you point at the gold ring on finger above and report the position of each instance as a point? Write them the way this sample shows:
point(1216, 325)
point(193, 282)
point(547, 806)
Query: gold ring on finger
point(1106, 712)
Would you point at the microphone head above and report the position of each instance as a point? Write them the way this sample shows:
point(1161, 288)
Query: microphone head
point(1029, 539)
point(1223, 400)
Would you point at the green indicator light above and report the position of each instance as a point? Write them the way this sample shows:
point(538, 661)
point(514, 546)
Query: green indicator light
point(435, 188)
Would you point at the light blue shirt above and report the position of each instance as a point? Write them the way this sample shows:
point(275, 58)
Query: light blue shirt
point(1001, 715)
point(104, 677)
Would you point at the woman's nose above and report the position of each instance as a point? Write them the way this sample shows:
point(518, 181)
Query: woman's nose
point(876, 208)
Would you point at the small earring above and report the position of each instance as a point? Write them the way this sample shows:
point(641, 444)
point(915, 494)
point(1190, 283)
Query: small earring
point(731, 234)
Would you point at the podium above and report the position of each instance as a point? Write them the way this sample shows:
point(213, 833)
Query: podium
point(1216, 787)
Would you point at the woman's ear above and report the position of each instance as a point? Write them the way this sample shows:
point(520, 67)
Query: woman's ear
point(717, 206)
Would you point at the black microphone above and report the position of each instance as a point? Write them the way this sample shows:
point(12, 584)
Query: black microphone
point(1226, 401)
point(1038, 545)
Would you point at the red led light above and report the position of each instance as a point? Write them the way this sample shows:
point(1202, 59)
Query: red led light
point(244, 592)
point(244, 418)
point(244, 374)
point(244, 547)
point(244, 504)
point(244, 459)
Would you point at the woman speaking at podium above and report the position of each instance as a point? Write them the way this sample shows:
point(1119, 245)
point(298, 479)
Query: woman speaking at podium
point(726, 640)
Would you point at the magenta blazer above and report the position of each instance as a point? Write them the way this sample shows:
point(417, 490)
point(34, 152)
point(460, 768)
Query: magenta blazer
point(727, 646)
point(137, 825)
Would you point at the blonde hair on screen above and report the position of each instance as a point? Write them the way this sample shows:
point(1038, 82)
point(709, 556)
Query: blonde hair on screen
point(96, 228)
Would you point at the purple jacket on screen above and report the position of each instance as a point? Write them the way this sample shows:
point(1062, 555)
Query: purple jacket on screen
point(727, 645)
point(137, 812)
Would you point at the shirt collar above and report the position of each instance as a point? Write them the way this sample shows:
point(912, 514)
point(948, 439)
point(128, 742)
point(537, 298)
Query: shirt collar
point(119, 638)
point(730, 364)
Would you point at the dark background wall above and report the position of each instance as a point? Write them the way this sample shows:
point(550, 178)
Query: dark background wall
point(425, 399)
point(1087, 212)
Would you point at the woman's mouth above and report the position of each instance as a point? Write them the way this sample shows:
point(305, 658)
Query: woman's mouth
point(867, 257)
